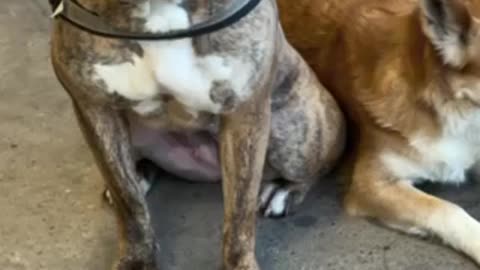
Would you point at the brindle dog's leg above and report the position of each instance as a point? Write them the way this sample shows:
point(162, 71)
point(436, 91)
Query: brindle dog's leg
point(243, 146)
point(107, 134)
point(307, 135)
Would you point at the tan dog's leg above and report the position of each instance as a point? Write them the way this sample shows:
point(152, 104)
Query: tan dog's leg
point(107, 135)
point(396, 203)
point(243, 146)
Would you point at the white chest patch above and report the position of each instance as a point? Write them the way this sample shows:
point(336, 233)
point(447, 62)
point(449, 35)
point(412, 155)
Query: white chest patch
point(173, 67)
point(443, 159)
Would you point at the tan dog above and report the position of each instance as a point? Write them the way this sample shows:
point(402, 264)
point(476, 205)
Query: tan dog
point(408, 75)
point(232, 104)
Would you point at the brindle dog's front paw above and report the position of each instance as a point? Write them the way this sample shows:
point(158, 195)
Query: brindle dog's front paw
point(135, 264)
point(139, 258)
point(243, 265)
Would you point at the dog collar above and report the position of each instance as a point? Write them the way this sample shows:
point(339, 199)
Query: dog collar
point(74, 13)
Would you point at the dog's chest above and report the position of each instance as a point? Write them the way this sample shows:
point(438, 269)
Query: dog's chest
point(445, 158)
point(174, 72)
point(211, 82)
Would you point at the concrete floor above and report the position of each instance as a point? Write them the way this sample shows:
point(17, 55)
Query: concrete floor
point(52, 216)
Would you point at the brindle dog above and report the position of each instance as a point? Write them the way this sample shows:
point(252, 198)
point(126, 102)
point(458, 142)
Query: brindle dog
point(240, 95)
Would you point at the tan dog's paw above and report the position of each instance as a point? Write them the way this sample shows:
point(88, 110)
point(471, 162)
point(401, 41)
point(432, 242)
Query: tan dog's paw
point(279, 199)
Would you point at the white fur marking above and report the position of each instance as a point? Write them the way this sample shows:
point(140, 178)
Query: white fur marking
point(166, 17)
point(145, 186)
point(403, 168)
point(147, 106)
point(177, 67)
point(266, 193)
point(445, 158)
point(186, 76)
point(173, 67)
point(278, 203)
point(458, 229)
point(59, 9)
point(133, 81)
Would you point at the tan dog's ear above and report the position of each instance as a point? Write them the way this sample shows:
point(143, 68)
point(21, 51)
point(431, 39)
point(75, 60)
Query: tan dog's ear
point(447, 24)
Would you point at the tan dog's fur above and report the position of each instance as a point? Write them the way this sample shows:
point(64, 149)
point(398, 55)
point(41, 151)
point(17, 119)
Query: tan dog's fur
point(407, 73)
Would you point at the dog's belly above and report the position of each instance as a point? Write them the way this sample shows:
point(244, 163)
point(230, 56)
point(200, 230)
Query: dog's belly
point(191, 155)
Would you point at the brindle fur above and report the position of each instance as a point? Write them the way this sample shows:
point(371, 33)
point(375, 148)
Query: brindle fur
point(305, 138)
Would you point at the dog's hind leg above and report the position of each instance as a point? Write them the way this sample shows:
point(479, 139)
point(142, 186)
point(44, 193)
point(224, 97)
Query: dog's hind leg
point(307, 136)
point(375, 193)
point(107, 134)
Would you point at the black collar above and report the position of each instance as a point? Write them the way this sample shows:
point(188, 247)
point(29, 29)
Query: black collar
point(90, 22)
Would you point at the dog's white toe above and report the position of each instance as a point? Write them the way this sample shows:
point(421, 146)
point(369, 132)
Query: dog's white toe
point(266, 194)
point(146, 185)
point(274, 200)
point(278, 205)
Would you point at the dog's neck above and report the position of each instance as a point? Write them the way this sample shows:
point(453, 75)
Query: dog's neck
point(126, 15)
point(130, 15)
point(102, 7)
